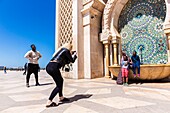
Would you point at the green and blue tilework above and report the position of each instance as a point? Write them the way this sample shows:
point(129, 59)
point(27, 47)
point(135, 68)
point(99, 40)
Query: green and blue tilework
point(141, 29)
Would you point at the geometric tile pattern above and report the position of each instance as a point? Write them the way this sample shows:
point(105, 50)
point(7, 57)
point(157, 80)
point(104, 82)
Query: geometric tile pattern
point(101, 95)
point(78, 109)
point(68, 91)
point(28, 97)
point(89, 85)
point(137, 8)
point(65, 21)
point(151, 93)
point(25, 109)
point(99, 91)
point(23, 90)
point(141, 29)
point(121, 103)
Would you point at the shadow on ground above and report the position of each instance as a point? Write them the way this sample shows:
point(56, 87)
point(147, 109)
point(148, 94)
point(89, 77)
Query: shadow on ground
point(44, 84)
point(138, 81)
point(76, 98)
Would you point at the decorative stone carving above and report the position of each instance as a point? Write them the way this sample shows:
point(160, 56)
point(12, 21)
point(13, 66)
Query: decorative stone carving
point(108, 32)
point(65, 22)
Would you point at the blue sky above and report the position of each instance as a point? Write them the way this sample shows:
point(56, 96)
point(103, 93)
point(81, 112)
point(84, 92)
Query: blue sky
point(26, 22)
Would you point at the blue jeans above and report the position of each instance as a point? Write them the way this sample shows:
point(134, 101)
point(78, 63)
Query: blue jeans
point(136, 65)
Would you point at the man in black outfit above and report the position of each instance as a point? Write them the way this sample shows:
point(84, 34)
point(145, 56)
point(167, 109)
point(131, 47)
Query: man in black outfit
point(63, 56)
point(33, 66)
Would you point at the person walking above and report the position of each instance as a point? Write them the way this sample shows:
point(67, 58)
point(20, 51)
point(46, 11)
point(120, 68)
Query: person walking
point(25, 69)
point(33, 56)
point(61, 57)
point(135, 63)
point(5, 69)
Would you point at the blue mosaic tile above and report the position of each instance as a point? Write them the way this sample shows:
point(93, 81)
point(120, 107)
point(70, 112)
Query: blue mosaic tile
point(141, 29)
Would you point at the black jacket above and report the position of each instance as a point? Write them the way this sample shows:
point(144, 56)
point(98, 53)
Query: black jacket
point(64, 57)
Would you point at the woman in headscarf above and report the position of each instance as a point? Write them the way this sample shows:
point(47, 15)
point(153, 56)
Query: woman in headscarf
point(62, 56)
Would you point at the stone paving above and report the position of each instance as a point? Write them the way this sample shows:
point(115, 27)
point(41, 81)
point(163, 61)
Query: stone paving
point(100, 95)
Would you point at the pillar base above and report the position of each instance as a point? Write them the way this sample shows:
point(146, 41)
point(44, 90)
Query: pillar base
point(107, 76)
point(115, 64)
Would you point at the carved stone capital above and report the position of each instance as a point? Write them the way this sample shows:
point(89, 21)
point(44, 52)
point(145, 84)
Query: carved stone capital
point(116, 40)
point(167, 30)
point(93, 4)
point(105, 36)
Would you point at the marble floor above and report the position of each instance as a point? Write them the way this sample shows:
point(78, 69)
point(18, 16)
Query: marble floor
point(101, 95)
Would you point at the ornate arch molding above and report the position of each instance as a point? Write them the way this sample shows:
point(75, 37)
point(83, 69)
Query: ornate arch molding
point(111, 14)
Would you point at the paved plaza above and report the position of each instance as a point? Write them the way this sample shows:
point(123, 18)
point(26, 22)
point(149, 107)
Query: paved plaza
point(100, 95)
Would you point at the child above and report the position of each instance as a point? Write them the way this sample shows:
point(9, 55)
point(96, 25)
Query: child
point(125, 70)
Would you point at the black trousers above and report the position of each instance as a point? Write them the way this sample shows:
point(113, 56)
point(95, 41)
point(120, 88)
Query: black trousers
point(32, 68)
point(53, 69)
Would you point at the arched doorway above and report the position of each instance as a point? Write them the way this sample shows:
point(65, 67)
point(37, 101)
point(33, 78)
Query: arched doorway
point(141, 27)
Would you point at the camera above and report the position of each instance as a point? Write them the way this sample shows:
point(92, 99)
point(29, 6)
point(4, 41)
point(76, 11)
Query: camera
point(73, 52)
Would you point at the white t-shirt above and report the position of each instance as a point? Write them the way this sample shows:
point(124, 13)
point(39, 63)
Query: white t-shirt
point(33, 57)
point(124, 64)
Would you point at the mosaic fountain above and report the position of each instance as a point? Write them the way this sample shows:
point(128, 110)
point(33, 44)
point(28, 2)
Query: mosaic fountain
point(141, 28)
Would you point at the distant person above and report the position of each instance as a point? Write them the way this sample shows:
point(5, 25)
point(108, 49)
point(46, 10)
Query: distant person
point(33, 56)
point(135, 63)
point(63, 56)
point(25, 68)
point(5, 69)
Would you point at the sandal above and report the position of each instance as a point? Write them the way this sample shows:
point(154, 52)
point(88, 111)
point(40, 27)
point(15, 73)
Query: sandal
point(53, 104)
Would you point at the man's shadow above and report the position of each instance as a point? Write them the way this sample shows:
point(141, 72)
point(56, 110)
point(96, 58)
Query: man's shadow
point(76, 98)
point(44, 84)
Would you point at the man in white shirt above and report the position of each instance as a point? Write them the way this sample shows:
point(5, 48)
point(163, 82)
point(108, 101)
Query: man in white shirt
point(33, 66)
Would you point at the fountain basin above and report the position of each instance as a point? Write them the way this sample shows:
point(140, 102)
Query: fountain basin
point(148, 72)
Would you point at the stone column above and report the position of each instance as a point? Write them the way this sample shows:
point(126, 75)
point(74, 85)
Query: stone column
point(167, 27)
point(168, 37)
point(115, 49)
point(106, 59)
point(168, 42)
point(57, 24)
point(111, 54)
point(93, 49)
point(78, 39)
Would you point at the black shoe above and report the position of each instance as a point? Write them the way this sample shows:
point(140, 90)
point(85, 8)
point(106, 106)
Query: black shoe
point(27, 85)
point(65, 100)
point(53, 104)
point(37, 84)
